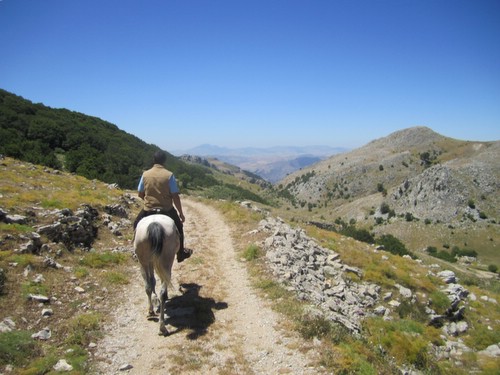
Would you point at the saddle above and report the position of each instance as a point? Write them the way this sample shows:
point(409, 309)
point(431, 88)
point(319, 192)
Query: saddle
point(156, 211)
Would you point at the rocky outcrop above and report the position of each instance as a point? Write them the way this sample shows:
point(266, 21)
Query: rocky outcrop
point(317, 275)
point(443, 193)
point(73, 229)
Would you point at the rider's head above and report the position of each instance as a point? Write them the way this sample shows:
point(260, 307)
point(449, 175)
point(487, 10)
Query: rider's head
point(159, 157)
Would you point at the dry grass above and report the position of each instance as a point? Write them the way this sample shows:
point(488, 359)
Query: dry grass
point(35, 191)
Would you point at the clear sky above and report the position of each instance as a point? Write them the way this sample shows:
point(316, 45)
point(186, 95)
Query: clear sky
point(235, 73)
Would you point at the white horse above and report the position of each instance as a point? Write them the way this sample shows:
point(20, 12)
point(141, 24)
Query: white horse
point(156, 243)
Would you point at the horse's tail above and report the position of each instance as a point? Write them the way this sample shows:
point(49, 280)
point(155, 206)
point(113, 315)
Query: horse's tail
point(156, 235)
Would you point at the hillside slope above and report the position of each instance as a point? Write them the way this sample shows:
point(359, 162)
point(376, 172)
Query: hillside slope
point(58, 293)
point(415, 174)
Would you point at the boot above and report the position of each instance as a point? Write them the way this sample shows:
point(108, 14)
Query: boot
point(183, 254)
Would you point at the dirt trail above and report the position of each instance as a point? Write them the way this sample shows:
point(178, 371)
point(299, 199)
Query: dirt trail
point(218, 324)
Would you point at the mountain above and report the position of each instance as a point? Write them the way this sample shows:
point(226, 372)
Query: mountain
point(272, 163)
point(401, 183)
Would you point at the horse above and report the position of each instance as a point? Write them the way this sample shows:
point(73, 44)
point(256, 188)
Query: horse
point(156, 242)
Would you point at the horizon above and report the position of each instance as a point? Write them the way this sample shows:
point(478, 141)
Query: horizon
point(290, 73)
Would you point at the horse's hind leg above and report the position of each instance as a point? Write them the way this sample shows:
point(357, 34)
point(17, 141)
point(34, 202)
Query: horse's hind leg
point(150, 284)
point(163, 300)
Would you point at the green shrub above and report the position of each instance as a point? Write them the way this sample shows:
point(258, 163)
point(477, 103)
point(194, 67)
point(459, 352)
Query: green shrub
point(431, 250)
point(414, 311)
point(393, 245)
point(116, 278)
point(102, 260)
point(83, 329)
point(310, 327)
point(358, 234)
point(493, 268)
point(439, 301)
point(251, 252)
point(52, 203)
point(444, 255)
point(463, 252)
point(233, 193)
point(409, 216)
point(384, 208)
point(17, 347)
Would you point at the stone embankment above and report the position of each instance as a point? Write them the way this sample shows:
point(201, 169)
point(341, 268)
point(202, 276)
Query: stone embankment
point(317, 275)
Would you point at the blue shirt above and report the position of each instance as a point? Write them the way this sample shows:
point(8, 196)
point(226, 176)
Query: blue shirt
point(172, 183)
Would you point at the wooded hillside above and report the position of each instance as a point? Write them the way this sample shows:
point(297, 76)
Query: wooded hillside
point(81, 144)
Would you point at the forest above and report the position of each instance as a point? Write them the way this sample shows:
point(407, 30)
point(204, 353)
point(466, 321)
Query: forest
point(82, 144)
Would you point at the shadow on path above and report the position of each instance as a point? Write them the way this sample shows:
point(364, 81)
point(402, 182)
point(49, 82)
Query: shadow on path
point(191, 311)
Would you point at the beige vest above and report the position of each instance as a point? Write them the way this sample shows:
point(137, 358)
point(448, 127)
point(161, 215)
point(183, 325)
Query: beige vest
point(157, 188)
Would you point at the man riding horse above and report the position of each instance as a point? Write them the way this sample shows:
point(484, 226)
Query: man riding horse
point(158, 188)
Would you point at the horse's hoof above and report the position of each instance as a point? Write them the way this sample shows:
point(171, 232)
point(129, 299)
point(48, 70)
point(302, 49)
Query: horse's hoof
point(163, 331)
point(152, 316)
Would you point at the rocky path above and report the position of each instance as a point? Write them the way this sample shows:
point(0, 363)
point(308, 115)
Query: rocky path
point(218, 324)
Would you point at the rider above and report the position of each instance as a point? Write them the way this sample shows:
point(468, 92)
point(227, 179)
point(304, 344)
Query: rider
point(158, 188)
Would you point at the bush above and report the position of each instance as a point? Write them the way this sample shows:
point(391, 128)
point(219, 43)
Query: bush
point(431, 250)
point(17, 347)
point(463, 252)
point(409, 216)
point(252, 252)
point(384, 208)
point(359, 234)
point(493, 268)
point(393, 245)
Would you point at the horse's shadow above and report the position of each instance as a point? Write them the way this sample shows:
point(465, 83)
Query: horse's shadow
point(191, 311)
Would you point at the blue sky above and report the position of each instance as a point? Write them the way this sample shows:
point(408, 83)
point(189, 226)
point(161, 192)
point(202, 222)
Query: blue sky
point(238, 73)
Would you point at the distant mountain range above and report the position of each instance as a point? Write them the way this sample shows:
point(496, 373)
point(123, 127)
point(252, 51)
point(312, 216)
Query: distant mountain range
point(272, 163)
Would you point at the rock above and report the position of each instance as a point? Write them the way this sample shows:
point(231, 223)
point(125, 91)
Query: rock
point(379, 310)
point(49, 262)
point(39, 298)
point(47, 312)
point(73, 229)
point(116, 210)
point(44, 334)
point(447, 276)
point(125, 367)
point(7, 325)
point(387, 296)
point(394, 303)
point(79, 289)
point(317, 274)
point(15, 219)
point(39, 279)
point(491, 351)
point(405, 292)
point(62, 366)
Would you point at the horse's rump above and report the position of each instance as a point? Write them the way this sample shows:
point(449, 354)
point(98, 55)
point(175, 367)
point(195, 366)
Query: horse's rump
point(156, 243)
